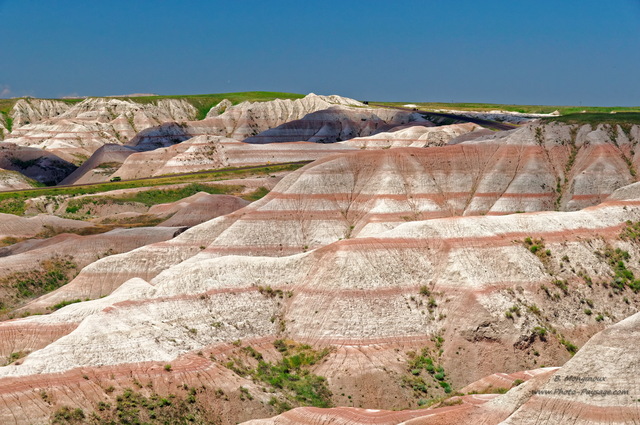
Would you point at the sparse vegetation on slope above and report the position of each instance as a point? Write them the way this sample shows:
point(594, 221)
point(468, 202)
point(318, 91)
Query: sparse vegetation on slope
point(426, 378)
point(290, 377)
point(623, 277)
point(50, 274)
point(131, 407)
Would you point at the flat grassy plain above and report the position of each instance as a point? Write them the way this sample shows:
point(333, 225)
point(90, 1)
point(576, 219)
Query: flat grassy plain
point(530, 109)
point(619, 118)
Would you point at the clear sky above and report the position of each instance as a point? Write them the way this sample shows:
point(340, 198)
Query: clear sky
point(565, 52)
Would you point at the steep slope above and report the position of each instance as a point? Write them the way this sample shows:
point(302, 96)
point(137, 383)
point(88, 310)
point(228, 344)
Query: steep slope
point(12, 180)
point(367, 259)
point(365, 192)
point(30, 111)
point(197, 209)
point(22, 227)
point(100, 166)
point(3, 126)
point(598, 385)
point(415, 135)
point(239, 121)
point(33, 267)
point(82, 129)
point(224, 122)
point(362, 296)
point(83, 249)
point(34, 163)
point(209, 152)
point(335, 124)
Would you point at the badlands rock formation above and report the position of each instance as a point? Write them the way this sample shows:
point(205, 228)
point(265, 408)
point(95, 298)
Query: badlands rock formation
point(336, 124)
point(25, 111)
point(83, 128)
point(226, 123)
point(314, 119)
point(100, 166)
point(504, 116)
point(240, 121)
point(363, 253)
point(197, 209)
point(22, 227)
point(28, 111)
point(281, 110)
point(11, 180)
point(84, 249)
point(36, 164)
point(366, 192)
point(369, 279)
point(416, 135)
point(597, 386)
point(3, 126)
point(210, 152)
point(361, 296)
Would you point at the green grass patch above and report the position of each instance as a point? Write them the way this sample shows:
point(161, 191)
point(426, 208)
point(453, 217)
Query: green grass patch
point(68, 415)
point(259, 193)
point(154, 196)
point(571, 348)
point(14, 202)
point(8, 122)
point(65, 303)
point(15, 356)
point(10, 240)
point(109, 165)
point(52, 274)
point(6, 105)
point(161, 196)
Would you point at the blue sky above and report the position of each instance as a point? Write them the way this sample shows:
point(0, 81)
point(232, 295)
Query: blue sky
point(525, 52)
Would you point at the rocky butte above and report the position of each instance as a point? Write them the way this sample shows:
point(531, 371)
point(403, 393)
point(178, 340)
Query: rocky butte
point(272, 258)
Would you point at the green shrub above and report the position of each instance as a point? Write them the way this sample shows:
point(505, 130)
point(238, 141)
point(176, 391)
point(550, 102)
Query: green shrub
point(65, 303)
point(540, 332)
point(291, 375)
point(445, 386)
point(67, 415)
point(50, 274)
point(569, 346)
point(424, 290)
